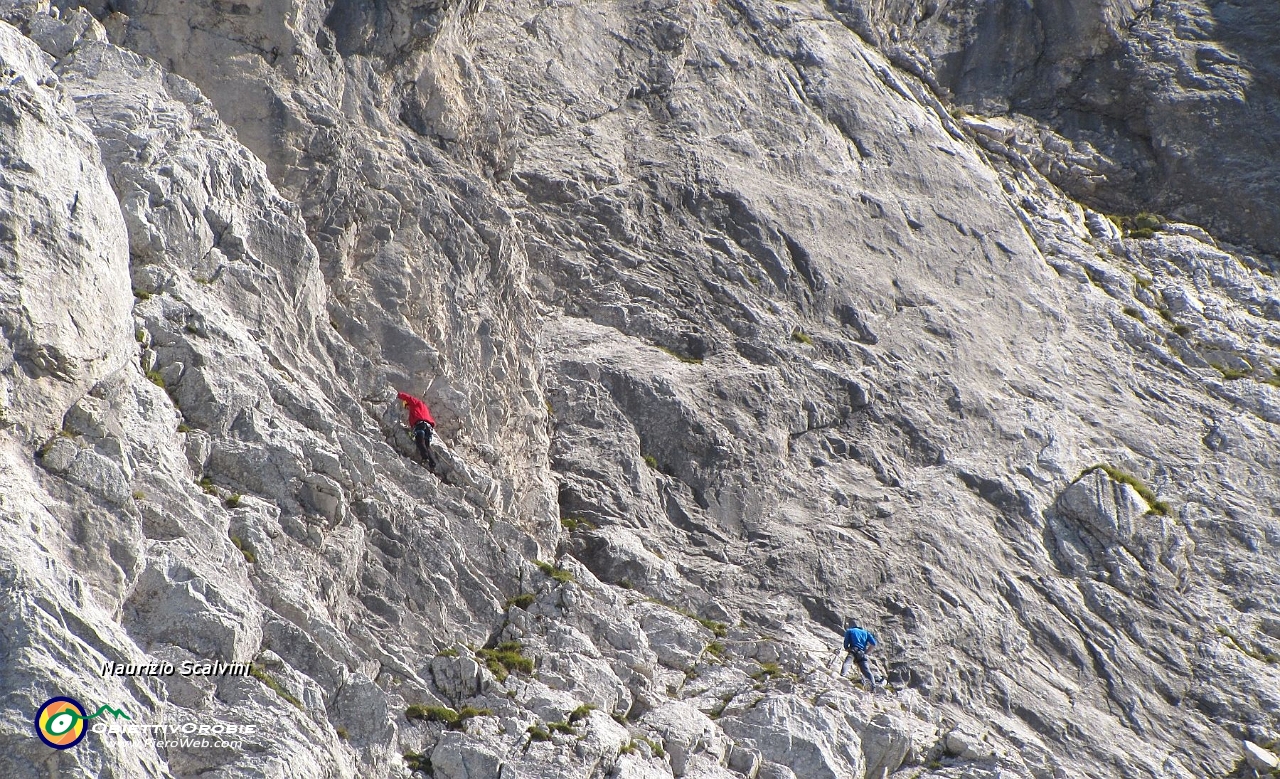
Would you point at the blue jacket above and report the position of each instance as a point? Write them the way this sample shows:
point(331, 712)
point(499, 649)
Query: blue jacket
point(858, 639)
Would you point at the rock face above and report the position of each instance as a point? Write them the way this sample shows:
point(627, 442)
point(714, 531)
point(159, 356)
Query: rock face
point(733, 332)
point(1258, 758)
point(1163, 106)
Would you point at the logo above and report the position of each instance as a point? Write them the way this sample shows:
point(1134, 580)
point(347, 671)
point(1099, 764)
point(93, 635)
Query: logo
point(60, 721)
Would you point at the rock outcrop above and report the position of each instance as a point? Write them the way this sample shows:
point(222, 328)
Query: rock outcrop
point(1140, 104)
point(735, 328)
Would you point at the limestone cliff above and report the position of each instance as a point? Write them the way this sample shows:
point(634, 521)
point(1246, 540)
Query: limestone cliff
point(740, 319)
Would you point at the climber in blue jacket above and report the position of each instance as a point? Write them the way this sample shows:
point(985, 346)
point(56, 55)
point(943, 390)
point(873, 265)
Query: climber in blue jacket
point(857, 642)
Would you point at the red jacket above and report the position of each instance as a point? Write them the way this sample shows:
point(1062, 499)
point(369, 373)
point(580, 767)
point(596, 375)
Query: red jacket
point(418, 411)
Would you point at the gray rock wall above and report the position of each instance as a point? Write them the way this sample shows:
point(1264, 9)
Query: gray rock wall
point(1165, 105)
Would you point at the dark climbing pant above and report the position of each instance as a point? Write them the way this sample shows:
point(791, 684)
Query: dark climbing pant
point(861, 659)
point(422, 437)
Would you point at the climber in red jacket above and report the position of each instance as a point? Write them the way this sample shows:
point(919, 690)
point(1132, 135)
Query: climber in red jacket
point(423, 425)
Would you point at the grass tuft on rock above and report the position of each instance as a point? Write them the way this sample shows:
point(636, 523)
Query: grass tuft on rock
point(454, 720)
point(1156, 506)
point(506, 658)
point(574, 524)
point(801, 337)
point(654, 747)
point(273, 685)
point(1269, 658)
point(522, 601)
point(1144, 225)
point(555, 572)
point(245, 548)
point(1148, 221)
point(538, 733)
point(1229, 373)
point(582, 712)
point(417, 761)
point(682, 357)
point(718, 629)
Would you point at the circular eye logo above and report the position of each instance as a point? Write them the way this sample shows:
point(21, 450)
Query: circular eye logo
point(60, 722)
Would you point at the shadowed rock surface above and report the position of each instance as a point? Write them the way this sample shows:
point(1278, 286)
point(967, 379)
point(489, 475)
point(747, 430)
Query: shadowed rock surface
point(734, 330)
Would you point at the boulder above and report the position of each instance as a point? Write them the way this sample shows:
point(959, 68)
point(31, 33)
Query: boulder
point(1259, 759)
